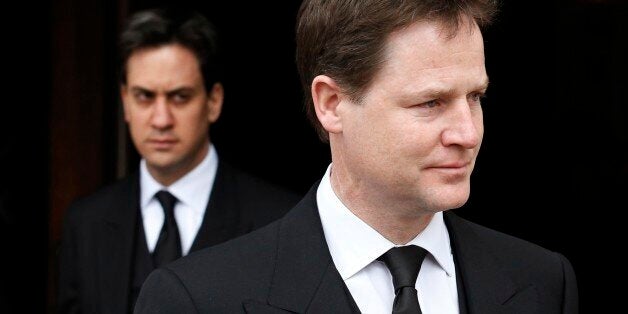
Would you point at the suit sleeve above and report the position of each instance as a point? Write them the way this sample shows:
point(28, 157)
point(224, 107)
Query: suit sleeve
point(68, 291)
point(570, 292)
point(163, 293)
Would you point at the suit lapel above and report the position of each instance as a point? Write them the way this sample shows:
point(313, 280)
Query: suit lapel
point(488, 287)
point(221, 215)
point(116, 249)
point(305, 278)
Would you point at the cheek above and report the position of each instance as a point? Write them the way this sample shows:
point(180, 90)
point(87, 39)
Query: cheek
point(417, 139)
point(193, 124)
point(478, 120)
point(479, 126)
point(137, 124)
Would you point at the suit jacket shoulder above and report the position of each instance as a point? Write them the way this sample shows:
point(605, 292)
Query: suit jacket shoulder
point(104, 201)
point(260, 201)
point(502, 273)
point(94, 249)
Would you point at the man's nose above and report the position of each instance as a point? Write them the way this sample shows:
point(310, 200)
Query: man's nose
point(464, 126)
point(162, 115)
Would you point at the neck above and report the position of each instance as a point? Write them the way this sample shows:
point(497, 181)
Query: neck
point(169, 175)
point(396, 220)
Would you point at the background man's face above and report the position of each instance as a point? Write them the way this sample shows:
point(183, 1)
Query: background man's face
point(167, 107)
point(418, 130)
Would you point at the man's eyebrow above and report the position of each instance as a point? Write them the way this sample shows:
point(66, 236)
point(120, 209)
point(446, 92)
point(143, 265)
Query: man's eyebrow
point(170, 92)
point(484, 86)
point(430, 92)
point(140, 89)
point(435, 92)
point(183, 89)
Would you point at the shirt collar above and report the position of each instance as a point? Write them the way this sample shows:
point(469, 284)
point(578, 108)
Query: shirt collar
point(353, 244)
point(196, 182)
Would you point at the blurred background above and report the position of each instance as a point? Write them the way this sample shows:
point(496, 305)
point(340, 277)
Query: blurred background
point(553, 168)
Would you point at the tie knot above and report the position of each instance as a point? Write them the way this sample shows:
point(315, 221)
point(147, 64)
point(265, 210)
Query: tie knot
point(167, 202)
point(404, 264)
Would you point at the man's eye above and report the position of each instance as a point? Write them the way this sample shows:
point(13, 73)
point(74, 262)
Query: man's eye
point(477, 97)
point(429, 104)
point(143, 96)
point(427, 109)
point(180, 98)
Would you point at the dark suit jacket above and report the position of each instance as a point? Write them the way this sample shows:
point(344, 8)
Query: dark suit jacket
point(98, 238)
point(286, 267)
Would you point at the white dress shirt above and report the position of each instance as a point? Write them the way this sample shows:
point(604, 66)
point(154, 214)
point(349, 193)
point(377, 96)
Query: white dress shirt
point(355, 247)
point(192, 192)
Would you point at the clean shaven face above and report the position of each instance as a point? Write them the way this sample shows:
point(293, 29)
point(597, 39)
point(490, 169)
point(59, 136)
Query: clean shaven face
point(167, 108)
point(417, 130)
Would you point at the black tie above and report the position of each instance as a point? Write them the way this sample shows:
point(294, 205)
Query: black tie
point(404, 264)
point(168, 246)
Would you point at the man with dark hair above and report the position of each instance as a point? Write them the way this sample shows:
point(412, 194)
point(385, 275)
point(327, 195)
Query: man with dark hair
point(396, 89)
point(183, 198)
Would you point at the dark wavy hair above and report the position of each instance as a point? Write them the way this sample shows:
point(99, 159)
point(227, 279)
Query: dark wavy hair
point(164, 26)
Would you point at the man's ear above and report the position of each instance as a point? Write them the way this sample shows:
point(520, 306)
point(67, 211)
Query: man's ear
point(327, 96)
point(214, 102)
point(124, 95)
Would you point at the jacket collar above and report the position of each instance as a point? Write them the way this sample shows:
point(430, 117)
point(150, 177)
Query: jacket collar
point(488, 286)
point(220, 222)
point(116, 246)
point(305, 277)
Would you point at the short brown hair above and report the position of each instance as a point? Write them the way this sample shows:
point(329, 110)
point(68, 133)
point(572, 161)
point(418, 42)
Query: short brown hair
point(345, 39)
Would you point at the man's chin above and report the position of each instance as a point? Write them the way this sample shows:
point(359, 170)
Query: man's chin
point(448, 199)
point(162, 163)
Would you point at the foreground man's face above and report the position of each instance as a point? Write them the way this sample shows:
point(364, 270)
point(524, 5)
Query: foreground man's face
point(417, 131)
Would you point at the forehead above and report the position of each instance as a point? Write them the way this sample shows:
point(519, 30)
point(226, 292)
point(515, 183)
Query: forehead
point(435, 37)
point(162, 66)
point(426, 53)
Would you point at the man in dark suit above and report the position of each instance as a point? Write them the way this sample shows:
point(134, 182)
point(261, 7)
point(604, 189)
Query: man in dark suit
point(183, 198)
point(396, 89)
